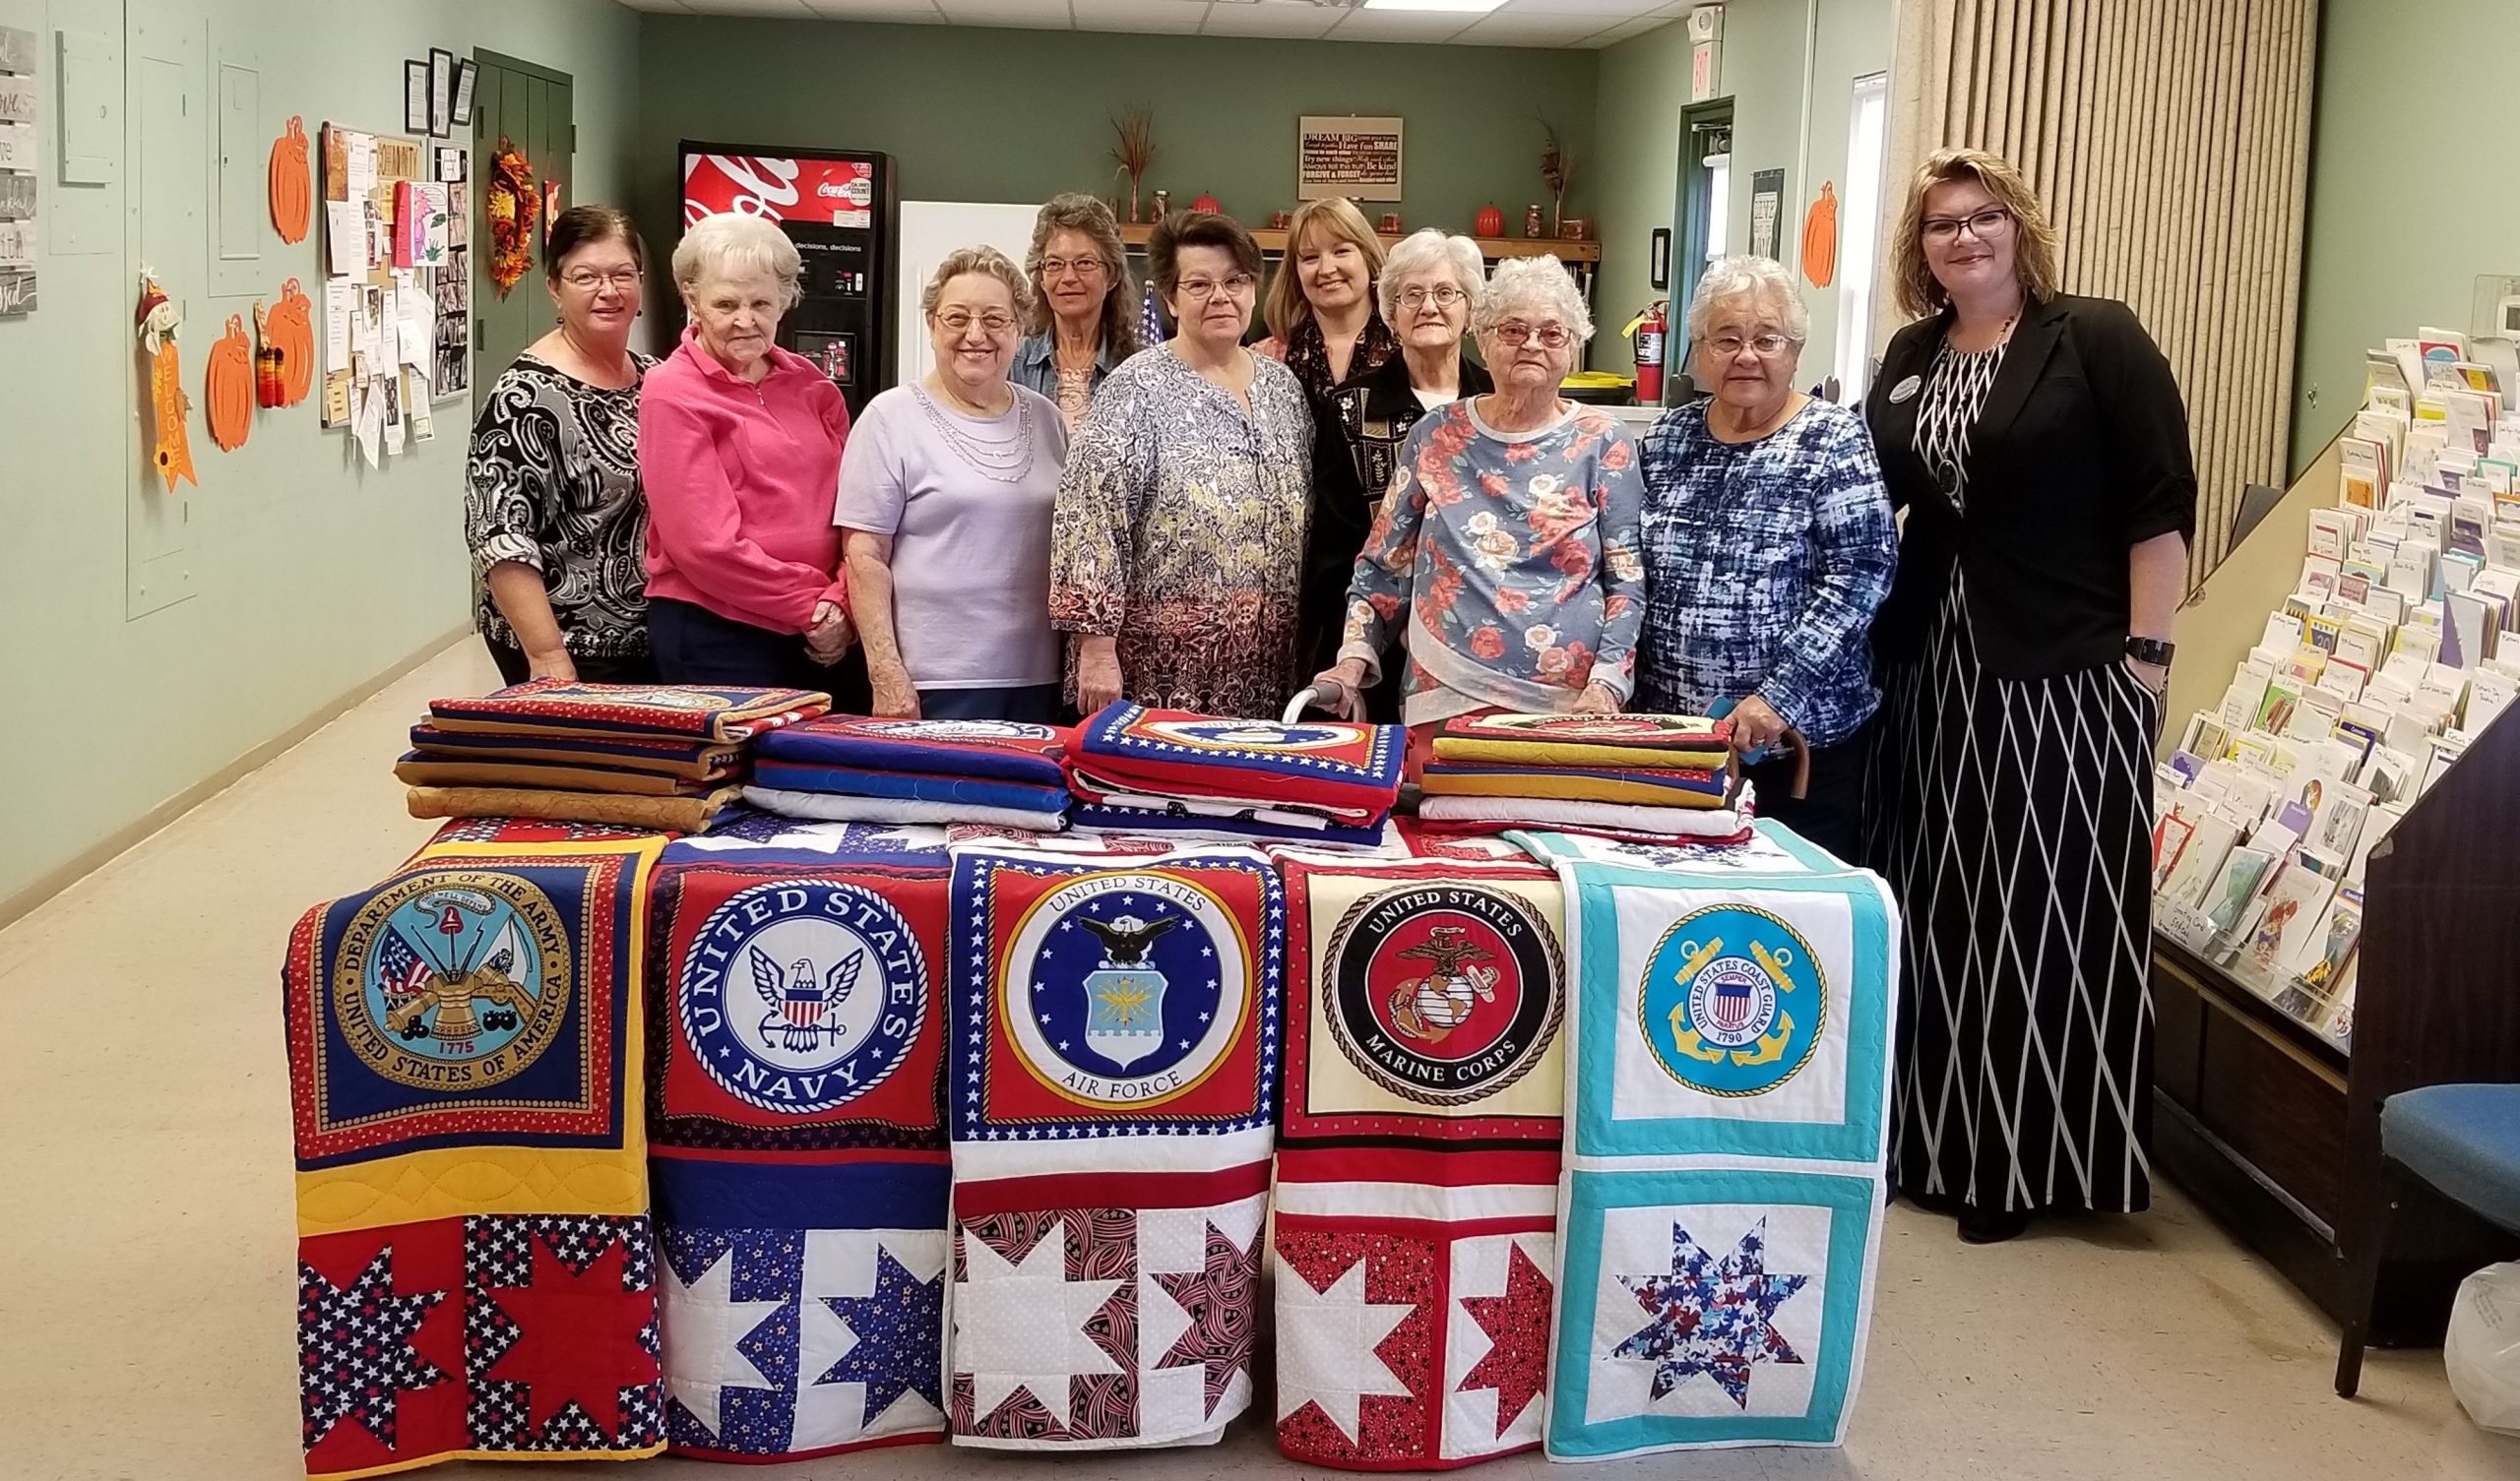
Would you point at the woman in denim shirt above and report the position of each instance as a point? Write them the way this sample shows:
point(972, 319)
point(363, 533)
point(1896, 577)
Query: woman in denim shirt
point(1085, 314)
point(1768, 546)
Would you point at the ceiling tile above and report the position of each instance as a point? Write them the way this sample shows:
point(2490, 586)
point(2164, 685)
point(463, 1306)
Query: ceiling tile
point(1138, 14)
point(1049, 15)
point(1629, 29)
point(1509, 29)
point(792, 10)
point(1226, 19)
point(1616, 10)
point(877, 10)
point(1399, 25)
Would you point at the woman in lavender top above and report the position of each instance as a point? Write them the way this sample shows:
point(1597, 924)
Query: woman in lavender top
point(1506, 549)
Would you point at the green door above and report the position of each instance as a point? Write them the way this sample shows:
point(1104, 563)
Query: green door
point(529, 106)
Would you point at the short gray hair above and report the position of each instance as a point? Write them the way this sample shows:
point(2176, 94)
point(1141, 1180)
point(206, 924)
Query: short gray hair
point(1534, 286)
point(1763, 281)
point(1428, 250)
point(984, 261)
point(732, 241)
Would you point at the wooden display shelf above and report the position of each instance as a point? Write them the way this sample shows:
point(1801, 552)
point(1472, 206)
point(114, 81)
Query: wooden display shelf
point(1587, 253)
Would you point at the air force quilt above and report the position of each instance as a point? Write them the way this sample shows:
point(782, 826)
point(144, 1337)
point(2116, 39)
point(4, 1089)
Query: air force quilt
point(1417, 1165)
point(1726, 1101)
point(799, 1155)
point(477, 1276)
point(1116, 1039)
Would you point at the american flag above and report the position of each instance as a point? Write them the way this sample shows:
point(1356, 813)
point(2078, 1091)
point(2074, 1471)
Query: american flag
point(1151, 319)
point(405, 971)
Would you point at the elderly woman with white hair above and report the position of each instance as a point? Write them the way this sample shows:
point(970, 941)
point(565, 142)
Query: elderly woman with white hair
point(740, 451)
point(1507, 546)
point(1767, 547)
point(1430, 284)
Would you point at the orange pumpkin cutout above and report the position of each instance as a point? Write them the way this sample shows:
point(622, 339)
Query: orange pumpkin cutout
point(1820, 237)
point(229, 386)
point(291, 194)
point(289, 331)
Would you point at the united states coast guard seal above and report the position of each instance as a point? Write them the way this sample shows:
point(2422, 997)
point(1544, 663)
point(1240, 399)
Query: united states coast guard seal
point(453, 980)
point(1125, 990)
point(1442, 992)
point(803, 995)
point(1733, 1001)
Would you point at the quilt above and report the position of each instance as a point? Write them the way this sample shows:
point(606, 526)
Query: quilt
point(1728, 1111)
point(1418, 1161)
point(566, 707)
point(1328, 764)
point(1618, 820)
point(747, 835)
point(1099, 816)
point(1586, 740)
point(828, 807)
point(798, 1147)
point(1003, 749)
point(475, 1267)
point(681, 815)
point(420, 770)
point(853, 782)
point(667, 755)
point(1668, 786)
point(1084, 783)
point(1116, 1032)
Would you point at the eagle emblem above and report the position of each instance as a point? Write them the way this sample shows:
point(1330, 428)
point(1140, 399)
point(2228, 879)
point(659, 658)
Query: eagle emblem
point(802, 1007)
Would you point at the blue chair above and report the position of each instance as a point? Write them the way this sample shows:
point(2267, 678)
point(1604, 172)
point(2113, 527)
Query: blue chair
point(2463, 1142)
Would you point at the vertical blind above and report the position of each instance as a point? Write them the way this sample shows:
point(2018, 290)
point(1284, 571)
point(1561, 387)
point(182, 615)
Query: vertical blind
point(2169, 139)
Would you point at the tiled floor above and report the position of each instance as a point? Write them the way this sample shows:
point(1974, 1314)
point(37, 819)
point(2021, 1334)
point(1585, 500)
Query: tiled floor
point(146, 1296)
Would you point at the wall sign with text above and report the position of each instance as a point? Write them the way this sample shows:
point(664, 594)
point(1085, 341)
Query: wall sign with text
point(1347, 156)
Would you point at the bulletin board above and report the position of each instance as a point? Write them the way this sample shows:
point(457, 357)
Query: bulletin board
point(394, 222)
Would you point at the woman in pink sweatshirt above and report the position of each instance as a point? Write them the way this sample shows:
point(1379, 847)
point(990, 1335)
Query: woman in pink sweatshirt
point(740, 451)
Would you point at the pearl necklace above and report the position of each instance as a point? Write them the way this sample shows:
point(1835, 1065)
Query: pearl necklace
point(1000, 462)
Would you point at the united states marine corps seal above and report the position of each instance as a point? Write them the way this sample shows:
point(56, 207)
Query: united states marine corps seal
point(1442, 994)
point(453, 980)
point(803, 995)
point(1733, 1001)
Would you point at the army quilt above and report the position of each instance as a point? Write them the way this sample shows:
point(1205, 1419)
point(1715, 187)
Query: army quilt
point(1726, 1121)
point(475, 1264)
point(1004, 750)
point(1328, 764)
point(566, 707)
point(797, 1151)
point(1418, 1161)
point(1115, 1041)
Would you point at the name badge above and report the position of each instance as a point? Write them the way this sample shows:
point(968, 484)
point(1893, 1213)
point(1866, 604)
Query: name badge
point(1906, 388)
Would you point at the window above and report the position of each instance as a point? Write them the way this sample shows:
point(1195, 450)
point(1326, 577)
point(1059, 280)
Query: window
point(1859, 233)
point(1719, 201)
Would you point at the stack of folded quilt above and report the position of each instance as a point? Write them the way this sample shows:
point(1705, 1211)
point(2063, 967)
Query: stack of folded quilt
point(1642, 778)
point(655, 756)
point(855, 769)
point(1319, 784)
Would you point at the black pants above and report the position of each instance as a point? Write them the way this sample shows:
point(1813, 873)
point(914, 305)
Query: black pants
point(1830, 812)
point(515, 667)
point(695, 645)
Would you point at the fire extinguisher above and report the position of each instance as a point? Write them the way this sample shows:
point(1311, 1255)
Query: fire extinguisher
point(1649, 329)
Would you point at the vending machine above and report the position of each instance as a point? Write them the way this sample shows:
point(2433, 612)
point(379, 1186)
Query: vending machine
point(838, 206)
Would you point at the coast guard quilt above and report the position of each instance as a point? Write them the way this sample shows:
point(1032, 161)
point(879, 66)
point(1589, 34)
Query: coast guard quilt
point(798, 1148)
point(1726, 1121)
point(1115, 1037)
point(475, 1270)
point(1417, 1164)
point(1322, 763)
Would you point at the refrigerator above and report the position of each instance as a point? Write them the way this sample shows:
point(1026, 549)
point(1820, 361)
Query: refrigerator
point(838, 206)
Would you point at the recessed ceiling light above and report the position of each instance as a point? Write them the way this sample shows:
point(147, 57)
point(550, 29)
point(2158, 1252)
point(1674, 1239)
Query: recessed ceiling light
point(1476, 7)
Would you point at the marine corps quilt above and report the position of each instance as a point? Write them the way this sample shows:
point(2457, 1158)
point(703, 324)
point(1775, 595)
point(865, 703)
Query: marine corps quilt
point(476, 1273)
point(1728, 1102)
point(1116, 1038)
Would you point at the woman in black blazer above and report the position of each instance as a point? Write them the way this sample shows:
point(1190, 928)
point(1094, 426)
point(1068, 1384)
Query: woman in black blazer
point(2037, 442)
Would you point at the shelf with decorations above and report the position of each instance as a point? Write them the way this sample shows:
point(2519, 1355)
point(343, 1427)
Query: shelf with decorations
point(1273, 243)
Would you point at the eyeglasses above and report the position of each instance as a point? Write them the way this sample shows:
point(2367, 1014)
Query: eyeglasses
point(1204, 288)
point(957, 320)
point(1444, 295)
point(1990, 223)
point(1061, 267)
point(587, 281)
point(1513, 333)
point(1730, 346)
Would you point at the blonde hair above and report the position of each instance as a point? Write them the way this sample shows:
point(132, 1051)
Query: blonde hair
point(730, 241)
point(1090, 218)
point(2034, 239)
point(1339, 219)
point(987, 262)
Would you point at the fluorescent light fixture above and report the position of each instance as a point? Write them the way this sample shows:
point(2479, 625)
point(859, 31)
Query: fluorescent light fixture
point(1471, 7)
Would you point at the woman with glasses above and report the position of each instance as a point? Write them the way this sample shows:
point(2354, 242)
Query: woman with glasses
point(1506, 550)
point(1178, 544)
point(1084, 314)
point(1768, 545)
point(552, 512)
point(1428, 289)
point(2037, 443)
point(945, 494)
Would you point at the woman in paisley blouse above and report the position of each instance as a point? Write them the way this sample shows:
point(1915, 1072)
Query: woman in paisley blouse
point(1323, 320)
point(552, 511)
point(1508, 542)
point(1179, 533)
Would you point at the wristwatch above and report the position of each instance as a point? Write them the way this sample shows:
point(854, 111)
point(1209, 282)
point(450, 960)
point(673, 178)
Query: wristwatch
point(2150, 650)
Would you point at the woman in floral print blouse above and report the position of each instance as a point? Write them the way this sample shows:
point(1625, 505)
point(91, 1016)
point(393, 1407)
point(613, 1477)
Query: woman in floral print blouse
point(1506, 550)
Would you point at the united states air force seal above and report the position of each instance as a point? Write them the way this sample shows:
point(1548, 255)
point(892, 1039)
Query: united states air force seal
point(1733, 1001)
point(454, 979)
point(803, 995)
point(1444, 993)
point(1125, 991)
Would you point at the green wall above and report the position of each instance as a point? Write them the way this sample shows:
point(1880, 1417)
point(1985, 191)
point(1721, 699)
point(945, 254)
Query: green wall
point(1021, 116)
point(309, 575)
point(2411, 188)
point(1644, 86)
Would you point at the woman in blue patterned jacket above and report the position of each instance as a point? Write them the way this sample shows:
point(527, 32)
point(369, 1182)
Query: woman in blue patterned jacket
point(1768, 546)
